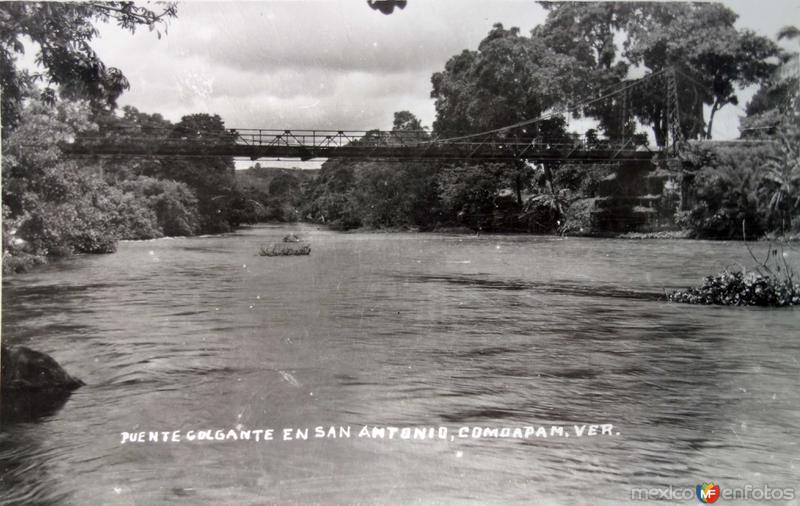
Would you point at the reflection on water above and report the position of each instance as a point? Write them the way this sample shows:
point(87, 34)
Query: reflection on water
point(31, 405)
point(399, 329)
point(557, 287)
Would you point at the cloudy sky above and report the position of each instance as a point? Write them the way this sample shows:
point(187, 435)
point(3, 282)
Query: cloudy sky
point(328, 64)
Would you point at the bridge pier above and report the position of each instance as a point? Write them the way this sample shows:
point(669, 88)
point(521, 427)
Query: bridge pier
point(638, 196)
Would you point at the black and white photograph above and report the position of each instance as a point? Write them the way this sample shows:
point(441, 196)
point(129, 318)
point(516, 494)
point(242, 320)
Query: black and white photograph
point(390, 252)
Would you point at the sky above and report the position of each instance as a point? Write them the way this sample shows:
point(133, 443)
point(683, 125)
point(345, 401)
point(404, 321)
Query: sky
point(330, 64)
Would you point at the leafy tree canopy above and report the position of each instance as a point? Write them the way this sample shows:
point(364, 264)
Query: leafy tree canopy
point(776, 104)
point(509, 78)
point(699, 39)
point(62, 33)
point(405, 120)
point(584, 48)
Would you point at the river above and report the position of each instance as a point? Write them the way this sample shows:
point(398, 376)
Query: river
point(399, 330)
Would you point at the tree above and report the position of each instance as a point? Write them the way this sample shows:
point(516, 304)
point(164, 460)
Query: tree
point(62, 33)
point(150, 129)
point(701, 40)
point(698, 39)
point(406, 121)
point(173, 205)
point(777, 101)
point(774, 114)
point(284, 185)
point(473, 196)
point(782, 180)
point(547, 210)
point(510, 78)
point(50, 204)
point(210, 177)
point(349, 194)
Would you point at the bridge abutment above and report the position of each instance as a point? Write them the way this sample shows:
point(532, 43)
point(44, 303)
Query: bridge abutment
point(637, 196)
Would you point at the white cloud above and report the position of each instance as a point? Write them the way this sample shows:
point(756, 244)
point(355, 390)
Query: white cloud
point(317, 64)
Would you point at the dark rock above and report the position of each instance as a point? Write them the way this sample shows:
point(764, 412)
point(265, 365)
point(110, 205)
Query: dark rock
point(24, 369)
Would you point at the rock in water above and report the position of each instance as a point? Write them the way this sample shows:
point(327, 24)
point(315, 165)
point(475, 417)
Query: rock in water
point(24, 369)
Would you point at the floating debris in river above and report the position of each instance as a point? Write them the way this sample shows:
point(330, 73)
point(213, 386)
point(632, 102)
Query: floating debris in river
point(740, 289)
point(285, 249)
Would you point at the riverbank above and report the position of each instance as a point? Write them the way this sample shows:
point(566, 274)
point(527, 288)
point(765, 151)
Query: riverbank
point(17, 260)
point(666, 234)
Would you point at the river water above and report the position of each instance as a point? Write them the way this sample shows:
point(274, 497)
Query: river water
point(399, 330)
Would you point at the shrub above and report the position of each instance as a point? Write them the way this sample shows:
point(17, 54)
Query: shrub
point(726, 195)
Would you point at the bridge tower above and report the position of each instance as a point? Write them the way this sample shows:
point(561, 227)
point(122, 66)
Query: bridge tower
point(674, 134)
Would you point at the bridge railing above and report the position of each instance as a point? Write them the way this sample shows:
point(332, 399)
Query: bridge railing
point(329, 138)
point(411, 139)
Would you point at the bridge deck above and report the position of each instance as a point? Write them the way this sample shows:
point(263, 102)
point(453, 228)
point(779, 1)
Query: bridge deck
point(310, 144)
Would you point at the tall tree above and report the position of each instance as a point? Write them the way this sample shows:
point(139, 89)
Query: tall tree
point(211, 177)
point(699, 39)
point(510, 78)
point(585, 32)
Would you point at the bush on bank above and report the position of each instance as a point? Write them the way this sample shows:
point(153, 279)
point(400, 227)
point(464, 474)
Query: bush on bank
point(754, 182)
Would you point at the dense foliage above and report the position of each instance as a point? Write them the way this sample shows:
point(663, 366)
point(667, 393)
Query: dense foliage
point(754, 184)
point(55, 205)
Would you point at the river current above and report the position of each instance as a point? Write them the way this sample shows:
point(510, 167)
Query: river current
point(399, 330)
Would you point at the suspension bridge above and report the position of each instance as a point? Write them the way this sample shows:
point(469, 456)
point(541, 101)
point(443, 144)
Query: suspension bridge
point(512, 142)
point(311, 144)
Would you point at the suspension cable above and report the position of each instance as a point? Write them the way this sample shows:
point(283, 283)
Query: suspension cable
point(568, 108)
